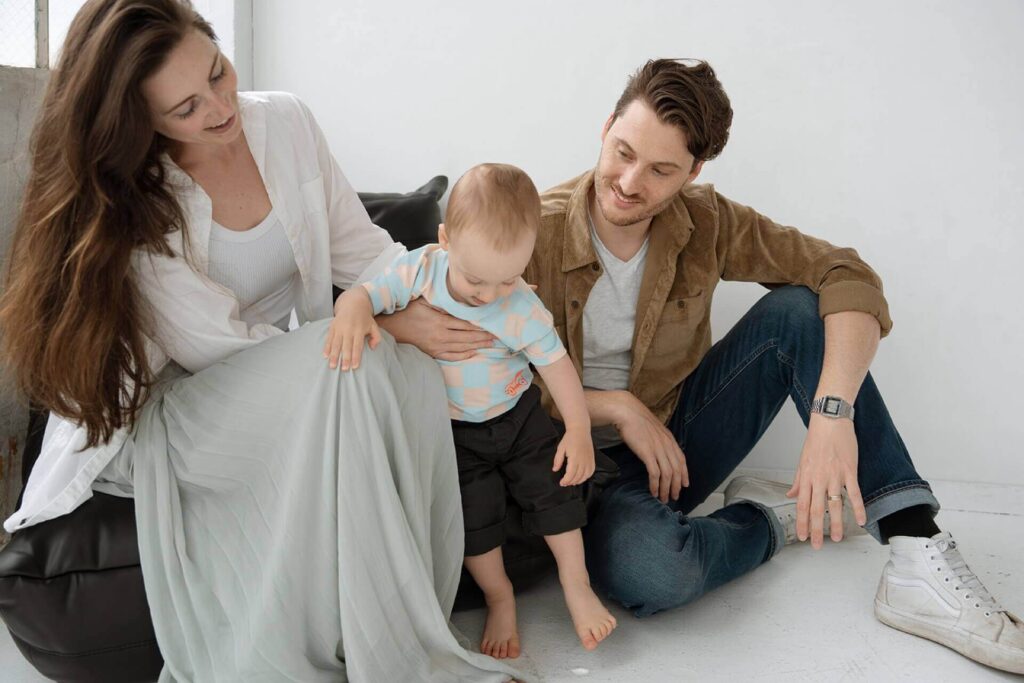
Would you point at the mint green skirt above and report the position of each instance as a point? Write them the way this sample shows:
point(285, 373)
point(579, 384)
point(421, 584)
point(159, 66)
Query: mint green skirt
point(283, 506)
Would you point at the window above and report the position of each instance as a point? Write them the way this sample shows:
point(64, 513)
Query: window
point(18, 37)
point(32, 31)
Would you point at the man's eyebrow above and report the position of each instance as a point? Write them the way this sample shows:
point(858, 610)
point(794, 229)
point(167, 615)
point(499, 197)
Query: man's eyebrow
point(212, 67)
point(625, 144)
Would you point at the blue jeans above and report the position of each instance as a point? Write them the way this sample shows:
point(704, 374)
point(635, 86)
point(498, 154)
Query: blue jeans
point(652, 556)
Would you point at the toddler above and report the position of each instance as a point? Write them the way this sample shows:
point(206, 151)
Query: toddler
point(503, 438)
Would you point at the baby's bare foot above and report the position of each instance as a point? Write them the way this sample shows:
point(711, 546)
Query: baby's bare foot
point(592, 621)
point(501, 638)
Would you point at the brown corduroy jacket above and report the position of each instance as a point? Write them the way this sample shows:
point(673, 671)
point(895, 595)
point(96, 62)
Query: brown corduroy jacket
point(700, 239)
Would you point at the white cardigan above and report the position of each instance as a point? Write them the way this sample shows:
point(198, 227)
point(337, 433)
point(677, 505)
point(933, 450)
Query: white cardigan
point(197, 320)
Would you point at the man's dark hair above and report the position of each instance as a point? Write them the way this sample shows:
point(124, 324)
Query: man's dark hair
point(685, 95)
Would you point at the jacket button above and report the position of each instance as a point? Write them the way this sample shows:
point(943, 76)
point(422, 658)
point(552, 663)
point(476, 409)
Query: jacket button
point(595, 267)
point(681, 304)
point(575, 304)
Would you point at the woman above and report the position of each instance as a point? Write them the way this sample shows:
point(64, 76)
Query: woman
point(170, 226)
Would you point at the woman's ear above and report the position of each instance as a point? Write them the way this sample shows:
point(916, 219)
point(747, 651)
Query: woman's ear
point(442, 237)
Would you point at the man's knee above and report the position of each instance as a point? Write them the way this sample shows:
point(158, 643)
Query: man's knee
point(793, 305)
point(647, 570)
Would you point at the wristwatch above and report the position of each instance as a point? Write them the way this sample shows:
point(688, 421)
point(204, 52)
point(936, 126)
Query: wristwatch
point(832, 406)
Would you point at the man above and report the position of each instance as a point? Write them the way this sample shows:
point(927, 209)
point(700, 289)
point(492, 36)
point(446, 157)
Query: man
point(627, 259)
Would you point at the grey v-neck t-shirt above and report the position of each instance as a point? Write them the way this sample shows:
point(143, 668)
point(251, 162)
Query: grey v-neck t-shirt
point(608, 321)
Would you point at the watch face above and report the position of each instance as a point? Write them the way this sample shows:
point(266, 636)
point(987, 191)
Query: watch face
point(831, 406)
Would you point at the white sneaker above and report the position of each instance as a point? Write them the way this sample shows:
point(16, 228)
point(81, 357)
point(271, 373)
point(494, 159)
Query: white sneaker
point(772, 495)
point(928, 590)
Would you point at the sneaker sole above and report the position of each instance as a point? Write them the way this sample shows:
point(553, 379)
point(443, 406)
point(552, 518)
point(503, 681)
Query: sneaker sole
point(981, 651)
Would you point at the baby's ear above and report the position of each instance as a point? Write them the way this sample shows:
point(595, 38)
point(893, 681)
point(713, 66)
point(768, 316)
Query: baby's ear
point(442, 237)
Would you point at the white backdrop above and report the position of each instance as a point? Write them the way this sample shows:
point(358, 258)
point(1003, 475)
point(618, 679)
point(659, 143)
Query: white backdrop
point(891, 127)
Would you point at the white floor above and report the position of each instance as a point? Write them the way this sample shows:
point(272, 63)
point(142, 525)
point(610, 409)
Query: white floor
point(804, 616)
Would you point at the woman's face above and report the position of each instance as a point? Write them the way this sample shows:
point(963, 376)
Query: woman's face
point(193, 97)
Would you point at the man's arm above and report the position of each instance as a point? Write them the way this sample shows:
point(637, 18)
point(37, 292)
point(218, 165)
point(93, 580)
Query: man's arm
point(851, 340)
point(605, 407)
point(753, 248)
point(828, 461)
point(648, 438)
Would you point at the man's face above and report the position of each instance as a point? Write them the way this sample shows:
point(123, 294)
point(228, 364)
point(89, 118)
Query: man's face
point(643, 165)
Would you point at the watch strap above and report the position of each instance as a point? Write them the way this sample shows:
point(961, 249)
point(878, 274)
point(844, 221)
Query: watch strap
point(833, 407)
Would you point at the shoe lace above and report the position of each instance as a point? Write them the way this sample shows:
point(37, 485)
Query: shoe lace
point(976, 591)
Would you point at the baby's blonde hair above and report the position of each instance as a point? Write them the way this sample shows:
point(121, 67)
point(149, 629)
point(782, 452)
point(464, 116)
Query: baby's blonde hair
point(499, 199)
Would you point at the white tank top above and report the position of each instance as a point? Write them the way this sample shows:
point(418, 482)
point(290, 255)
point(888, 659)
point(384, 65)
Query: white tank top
point(258, 265)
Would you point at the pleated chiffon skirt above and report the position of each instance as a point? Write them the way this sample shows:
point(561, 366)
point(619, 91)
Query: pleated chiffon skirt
point(298, 523)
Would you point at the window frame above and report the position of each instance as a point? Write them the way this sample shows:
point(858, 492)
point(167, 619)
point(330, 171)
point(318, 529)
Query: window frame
point(42, 34)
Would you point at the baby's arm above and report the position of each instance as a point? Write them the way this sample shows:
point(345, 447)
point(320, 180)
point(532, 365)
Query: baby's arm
point(576, 446)
point(392, 290)
point(353, 321)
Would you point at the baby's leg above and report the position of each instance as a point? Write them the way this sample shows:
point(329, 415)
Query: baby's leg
point(501, 637)
point(592, 621)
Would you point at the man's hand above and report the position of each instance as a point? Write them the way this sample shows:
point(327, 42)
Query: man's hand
point(353, 322)
point(827, 464)
point(654, 444)
point(576, 448)
point(435, 333)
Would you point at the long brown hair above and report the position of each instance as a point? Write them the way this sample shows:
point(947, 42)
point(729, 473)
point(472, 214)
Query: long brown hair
point(72, 322)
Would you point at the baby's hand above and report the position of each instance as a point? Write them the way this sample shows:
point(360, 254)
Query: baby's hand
point(353, 322)
point(577, 448)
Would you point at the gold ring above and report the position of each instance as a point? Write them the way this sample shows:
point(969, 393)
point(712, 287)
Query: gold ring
point(834, 498)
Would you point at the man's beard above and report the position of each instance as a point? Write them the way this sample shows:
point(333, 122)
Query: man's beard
point(603, 187)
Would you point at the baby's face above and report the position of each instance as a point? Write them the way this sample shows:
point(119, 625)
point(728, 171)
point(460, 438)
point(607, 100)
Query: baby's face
point(478, 273)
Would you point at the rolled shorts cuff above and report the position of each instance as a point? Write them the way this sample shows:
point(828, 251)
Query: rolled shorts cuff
point(572, 514)
point(484, 540)
point(894, 498)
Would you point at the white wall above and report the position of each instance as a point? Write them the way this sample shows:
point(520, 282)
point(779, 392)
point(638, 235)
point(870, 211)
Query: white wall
point(891, 127)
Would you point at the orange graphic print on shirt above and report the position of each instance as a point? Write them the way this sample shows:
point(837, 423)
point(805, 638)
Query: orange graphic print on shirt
point(518, 382)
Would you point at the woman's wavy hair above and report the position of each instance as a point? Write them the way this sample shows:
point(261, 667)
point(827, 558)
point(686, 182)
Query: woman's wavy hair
point(72, 322)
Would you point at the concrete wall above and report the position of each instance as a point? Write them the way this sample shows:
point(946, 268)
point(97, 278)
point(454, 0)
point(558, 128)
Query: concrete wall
point(21, 91)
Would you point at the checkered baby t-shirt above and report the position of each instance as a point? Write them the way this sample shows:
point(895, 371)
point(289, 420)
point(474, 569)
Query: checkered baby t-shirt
point(491, 381)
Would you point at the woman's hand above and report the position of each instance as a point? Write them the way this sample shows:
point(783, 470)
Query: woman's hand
point(353, 322)
point(435, 333)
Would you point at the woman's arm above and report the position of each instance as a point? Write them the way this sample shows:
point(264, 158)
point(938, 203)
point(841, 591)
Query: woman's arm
point(359, 249)
point(434, 332)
